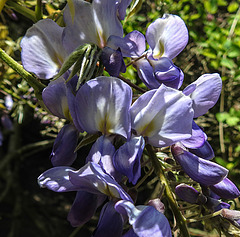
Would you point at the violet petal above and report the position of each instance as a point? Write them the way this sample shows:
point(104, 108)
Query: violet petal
point(202, 171)
point(64, 146)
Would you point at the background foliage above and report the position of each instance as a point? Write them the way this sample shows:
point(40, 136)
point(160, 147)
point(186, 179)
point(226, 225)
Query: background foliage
point(214, 46)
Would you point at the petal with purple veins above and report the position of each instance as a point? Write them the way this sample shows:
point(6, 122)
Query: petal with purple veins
point(207, 91)
point(167, 36)
point(93, 23)
point(91, 178)
point(102, 104)
point(57, 179)
point(42, 49)
point(163, 116)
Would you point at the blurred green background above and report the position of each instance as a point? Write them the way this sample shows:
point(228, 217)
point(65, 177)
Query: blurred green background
point(214, 46)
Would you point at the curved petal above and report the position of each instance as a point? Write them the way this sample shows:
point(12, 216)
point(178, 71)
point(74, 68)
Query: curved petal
point(202, 171)
point(132, 45)
point(127, 158)
point(113, 61)
point(167, 73)
point(225, 189)
point(190, 194)
point(102, 104)
point(84, 207)
point(197, 139)
point(205, 151)
point(55, 98)
point(72, 110)
point(93, 23)
point(146, 220)
point(109, 222)
point(207, 91)
point(102, 153)
point(42, 49)
point(146, 73)
point(164, 116)
point(167, 36)
point(57, 179)
point(122, 6)
point(63, 148)
point(93, 179)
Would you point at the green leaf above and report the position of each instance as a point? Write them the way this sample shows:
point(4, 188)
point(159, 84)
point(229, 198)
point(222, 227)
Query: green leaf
point(211, 6)
point(221, 117)
point(207, 53)
point(232, 7)
point(233, 52)
point(228, 63)
point(221, 161)
point(232, 121)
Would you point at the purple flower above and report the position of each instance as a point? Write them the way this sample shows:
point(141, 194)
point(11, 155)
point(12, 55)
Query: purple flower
point(202, 171)
point(153, 72)
point(167, 37)
point(204, 92)
point(205, 151)
point(225, 189)
point(92, 184)
point(102, 105)
point(162, 116)
point(127, 158)
point(94, 23)
point(190, 194)
point(102, 153)
point(86, 203)
point(197, 139)
point(122, 6)
point(145, 220)
point(232, 215)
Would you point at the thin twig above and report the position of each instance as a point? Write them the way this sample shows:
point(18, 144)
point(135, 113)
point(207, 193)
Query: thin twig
point(131, 84)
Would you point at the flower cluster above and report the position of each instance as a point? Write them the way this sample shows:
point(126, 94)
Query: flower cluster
point(119, 126)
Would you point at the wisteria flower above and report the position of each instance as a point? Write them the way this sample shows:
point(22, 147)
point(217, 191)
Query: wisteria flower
point(167, 37)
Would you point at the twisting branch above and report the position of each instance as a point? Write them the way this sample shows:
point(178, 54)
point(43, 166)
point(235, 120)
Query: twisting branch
point(28, 77)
